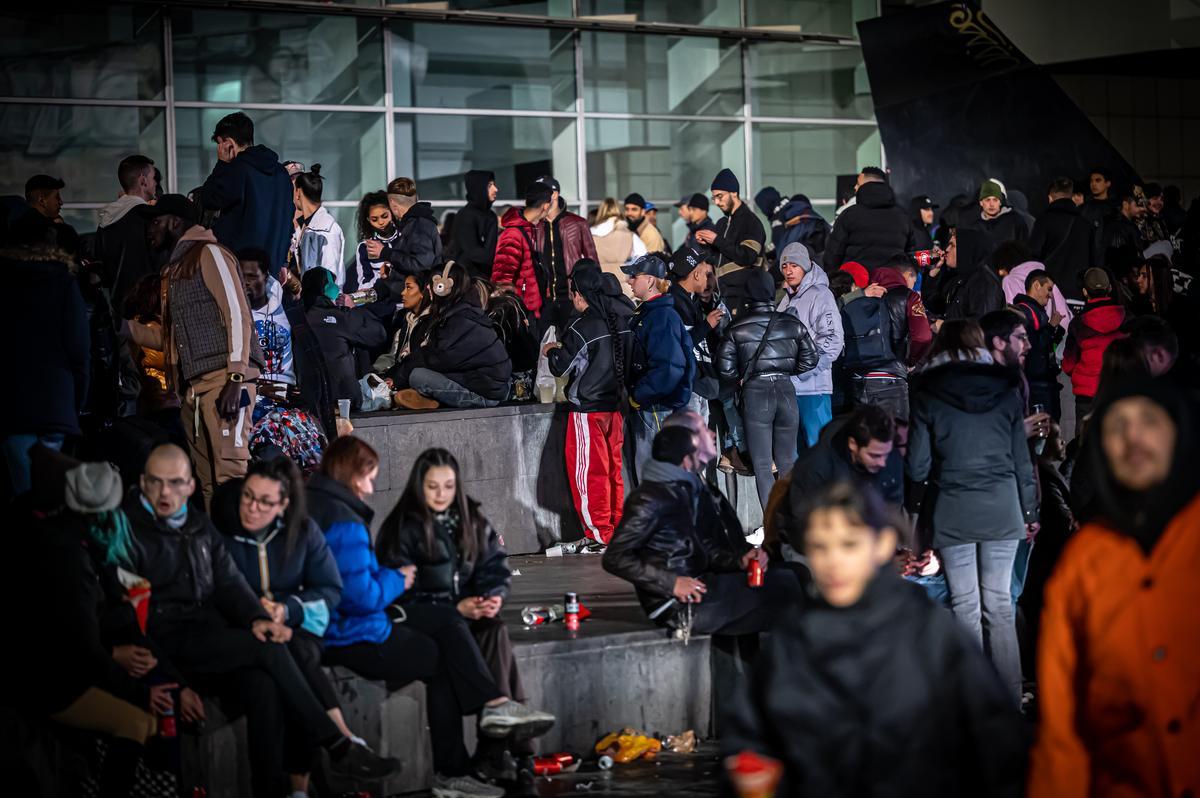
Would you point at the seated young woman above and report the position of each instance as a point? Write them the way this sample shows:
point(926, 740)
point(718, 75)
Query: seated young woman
point(461, 564)
point(408, 325)
point(428, 642)
point(284, 557)
point(459, 360)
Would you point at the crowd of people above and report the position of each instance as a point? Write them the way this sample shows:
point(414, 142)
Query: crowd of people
point(938, 553)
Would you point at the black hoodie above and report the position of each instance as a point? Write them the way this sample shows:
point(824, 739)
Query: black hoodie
point(419, 248)
point(254, 196)
point(967, 437)
point(473, 236)
point(871, 231)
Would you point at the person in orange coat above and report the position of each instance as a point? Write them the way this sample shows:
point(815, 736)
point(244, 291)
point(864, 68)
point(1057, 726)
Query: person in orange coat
point(1119, 656)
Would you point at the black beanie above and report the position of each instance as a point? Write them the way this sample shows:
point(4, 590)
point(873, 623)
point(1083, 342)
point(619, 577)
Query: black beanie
point(726, 180)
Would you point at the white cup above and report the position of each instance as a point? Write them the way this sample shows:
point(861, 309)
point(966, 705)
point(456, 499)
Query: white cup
point(343, 408)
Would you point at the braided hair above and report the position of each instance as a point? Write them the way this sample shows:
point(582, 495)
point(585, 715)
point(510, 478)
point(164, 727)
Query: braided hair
point(587, 281)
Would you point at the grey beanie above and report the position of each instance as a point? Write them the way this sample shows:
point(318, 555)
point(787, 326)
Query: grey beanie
point(796, 253)
point(93, 488)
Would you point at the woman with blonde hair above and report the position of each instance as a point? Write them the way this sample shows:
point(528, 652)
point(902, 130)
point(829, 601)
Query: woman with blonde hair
point(616, 244)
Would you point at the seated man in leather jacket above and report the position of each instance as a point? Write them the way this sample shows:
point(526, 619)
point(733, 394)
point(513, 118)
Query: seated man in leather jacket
point(680, 543)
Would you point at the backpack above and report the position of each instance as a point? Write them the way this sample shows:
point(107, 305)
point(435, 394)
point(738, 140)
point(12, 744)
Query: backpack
point(868, 334)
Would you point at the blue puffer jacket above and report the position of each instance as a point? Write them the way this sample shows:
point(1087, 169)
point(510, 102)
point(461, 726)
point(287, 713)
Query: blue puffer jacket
point(306, 580)
point(367, 587)
point(664, 365)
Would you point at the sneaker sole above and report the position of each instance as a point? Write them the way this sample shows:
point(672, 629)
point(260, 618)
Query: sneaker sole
point(518, 730)
point(447, 792)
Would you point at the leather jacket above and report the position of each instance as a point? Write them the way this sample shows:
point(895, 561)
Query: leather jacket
point(789, 348)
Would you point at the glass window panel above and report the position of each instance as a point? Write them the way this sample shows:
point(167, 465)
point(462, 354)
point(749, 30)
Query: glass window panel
point(82, 145)
point(660, 160)
point(247, 57)
point(101, 53)
point(474, 66)
point(807, 159)
point(809, 80)
point(539, 8)
point(635, 73)
point(437, 150)
point(718, 13)
point(835, 17)
point(348, 145)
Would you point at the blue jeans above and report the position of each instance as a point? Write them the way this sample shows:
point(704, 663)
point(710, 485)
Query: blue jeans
point(734, 436)
point(816, 410)
point(1020, 569)
point(445, 390)
point(644, 424)
point(935, 588)
point(16, 455)
point(979, 576)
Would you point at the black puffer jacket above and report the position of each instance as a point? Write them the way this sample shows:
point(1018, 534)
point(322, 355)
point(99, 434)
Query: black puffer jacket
point(473, 235)
point(1008, 226)
point(462, 344)
point(871, 231)
point(673, 526)
point(419, 248)
point(587, 354)
point(189, 570)
point(888, 697)
point(1067, 243)
point(340, 333)
point(789, 348)
point(444, 576)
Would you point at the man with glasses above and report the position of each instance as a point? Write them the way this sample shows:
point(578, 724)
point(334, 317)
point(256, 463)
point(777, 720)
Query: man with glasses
point(208, 623)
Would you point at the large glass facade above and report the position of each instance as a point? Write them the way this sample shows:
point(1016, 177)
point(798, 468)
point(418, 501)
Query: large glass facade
point(373, 91)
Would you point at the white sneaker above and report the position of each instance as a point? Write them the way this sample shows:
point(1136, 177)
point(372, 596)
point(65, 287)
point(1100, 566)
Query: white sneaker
point(513, 717)
point(463, 787)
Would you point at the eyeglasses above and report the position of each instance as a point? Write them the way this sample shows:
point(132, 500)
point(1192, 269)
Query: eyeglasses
point(259, 502)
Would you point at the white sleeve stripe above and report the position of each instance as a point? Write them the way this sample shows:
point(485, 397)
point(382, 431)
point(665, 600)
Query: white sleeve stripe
point(237, 345)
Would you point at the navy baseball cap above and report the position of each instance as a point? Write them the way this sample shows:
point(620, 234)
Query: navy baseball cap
point(647, 264)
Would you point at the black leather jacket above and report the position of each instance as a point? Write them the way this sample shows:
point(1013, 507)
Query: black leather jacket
point(671, 529)
point(189, 570)
point(789, 348)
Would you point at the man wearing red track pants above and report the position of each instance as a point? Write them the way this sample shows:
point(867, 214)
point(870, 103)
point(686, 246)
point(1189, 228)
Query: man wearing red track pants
point(594, 351)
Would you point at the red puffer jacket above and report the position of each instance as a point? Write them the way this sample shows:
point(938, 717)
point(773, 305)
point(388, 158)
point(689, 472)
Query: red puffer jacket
point(1090, 333)
point(514, 259)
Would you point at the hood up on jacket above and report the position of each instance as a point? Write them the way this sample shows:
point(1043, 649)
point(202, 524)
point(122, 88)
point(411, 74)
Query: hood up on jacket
point(812, 278)
point(1103, 315)
point(972, 251)
point(477, 181)
point(974, 386)
point(889, 277)
point(770, 202)
point(260, 158)
point(1144, 515)
point(875, 195)
point(116, 210)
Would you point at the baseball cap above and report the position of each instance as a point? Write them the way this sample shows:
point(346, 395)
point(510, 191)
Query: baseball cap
point(685, 261)
point(926, 202)
point(538, 194)
point(43, 183)
point(647, 264)
point(650, 206)
point(170, 205)
point(1096, 280)
point(636, 199)
point(549, 182)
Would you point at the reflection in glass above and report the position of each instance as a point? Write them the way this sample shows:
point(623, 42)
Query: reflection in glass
point(835, 17)
point(660, 160)
point(437, 151)
point(348, 145)
point(537, 8)
point(718, 13)
point(82, 145)
point(640, 74)
point(105, 52)
point(475, 66)
point(247, 57)
point(809, 80)
point(807, 159)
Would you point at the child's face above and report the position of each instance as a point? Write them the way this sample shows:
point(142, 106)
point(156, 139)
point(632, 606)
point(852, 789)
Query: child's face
point(380, 217)
point(844, 554)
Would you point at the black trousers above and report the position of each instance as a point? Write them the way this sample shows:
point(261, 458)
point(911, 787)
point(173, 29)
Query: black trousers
point(430, 643)
point(732, 607)
point(285, 721)
point(491, 636)
point(306, 648)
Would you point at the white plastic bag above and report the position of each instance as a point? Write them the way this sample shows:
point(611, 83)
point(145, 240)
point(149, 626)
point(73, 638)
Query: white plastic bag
point(545, 383)
point(376, 395)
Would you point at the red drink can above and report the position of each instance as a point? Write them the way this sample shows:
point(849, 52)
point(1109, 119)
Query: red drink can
point(924, 257)
point(754, 573)
point(571, 611)
point(545, 765)
point(166, 725)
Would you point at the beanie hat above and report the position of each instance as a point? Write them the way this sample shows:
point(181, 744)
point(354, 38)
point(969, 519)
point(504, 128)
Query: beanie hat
point(768, 200)
point(796, 253)
point(636, 199)
point(992, 188)
point(760, 286)
point(858, 272)
point(93, 488)
point(726, 180)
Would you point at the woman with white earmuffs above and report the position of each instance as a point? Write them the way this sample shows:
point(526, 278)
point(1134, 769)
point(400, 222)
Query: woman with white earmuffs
point(460, 361)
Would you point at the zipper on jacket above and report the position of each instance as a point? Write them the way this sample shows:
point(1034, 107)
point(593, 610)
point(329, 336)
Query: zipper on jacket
point(264, 572)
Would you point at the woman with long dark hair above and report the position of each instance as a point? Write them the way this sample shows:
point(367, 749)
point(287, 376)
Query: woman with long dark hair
point(375, 223)
point(318, 240)
point(461, 565)
point(428, 642)
point(285, 560)
point(594, 351)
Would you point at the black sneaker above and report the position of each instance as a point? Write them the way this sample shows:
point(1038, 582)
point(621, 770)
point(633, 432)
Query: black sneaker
point(360, 762)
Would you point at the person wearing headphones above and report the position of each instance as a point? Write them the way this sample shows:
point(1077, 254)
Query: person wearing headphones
point(459, 361)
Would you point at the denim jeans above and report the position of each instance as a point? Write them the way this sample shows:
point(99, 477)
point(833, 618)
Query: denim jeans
point(816, 410)
point(644, 424)
point(445, 390)
point(1020, 569)
point(16, 455)
point(890, 393)
point(772, 419)
point(979, 576)
point(935, 588)
point(735, 433)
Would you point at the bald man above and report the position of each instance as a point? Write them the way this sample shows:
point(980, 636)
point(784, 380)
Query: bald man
point(208, 623)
